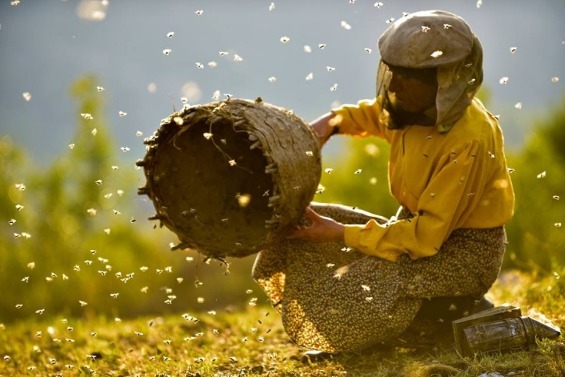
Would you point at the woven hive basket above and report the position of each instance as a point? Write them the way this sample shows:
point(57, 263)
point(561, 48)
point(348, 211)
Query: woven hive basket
point(231, 177)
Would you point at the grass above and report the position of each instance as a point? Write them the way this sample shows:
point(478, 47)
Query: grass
point(250, 341)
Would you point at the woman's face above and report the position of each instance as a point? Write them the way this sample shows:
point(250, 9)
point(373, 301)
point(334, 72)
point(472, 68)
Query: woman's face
point(412, 90)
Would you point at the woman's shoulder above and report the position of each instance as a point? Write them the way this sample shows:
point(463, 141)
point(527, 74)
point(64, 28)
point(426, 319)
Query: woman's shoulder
point(478, 107)
point(476, 123)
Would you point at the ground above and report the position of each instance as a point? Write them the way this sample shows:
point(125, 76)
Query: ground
point(250, 341)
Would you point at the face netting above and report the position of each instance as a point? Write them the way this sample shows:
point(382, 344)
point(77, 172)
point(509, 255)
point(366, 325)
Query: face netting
point(433, 39)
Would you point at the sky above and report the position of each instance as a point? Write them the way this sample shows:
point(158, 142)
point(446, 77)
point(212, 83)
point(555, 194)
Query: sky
point(150, 56)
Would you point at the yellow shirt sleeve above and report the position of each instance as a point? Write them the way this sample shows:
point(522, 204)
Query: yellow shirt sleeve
point(444, 205)
point(363, 119)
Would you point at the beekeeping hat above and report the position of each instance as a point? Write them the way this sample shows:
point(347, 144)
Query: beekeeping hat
point(435, 39)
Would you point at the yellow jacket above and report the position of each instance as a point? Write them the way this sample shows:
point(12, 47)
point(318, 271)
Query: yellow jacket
point(457, 179)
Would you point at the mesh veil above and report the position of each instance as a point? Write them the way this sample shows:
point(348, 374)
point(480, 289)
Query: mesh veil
point(437, 39)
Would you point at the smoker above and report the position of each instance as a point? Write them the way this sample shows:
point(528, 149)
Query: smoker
point(499, 329)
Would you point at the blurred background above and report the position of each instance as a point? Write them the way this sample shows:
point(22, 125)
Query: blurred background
point(82, 83)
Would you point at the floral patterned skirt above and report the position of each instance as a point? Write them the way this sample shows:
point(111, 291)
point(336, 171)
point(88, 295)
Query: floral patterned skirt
point(335, 299)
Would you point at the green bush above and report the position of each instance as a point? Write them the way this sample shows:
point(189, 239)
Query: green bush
point(357, 176)
point(72, 242)
point(537, 233)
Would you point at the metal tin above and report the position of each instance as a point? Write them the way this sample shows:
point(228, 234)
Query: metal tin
point(498, 330)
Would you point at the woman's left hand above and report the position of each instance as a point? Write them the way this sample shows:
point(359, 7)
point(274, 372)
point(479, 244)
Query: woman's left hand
point(320, 229)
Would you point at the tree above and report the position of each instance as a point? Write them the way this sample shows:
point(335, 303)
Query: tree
point(536, 233)
point(76, 248)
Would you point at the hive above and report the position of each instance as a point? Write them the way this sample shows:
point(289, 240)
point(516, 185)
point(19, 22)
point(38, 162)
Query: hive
point(231, 177)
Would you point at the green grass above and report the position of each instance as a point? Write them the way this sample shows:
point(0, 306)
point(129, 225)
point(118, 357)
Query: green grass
point(250, 341)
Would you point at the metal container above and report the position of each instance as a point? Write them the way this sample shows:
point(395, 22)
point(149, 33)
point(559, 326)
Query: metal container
point(498, 330)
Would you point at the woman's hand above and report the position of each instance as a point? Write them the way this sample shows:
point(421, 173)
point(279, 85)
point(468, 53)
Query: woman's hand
point(324, 127)
point(320, 229)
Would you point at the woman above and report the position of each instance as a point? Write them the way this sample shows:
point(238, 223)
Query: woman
point(350, 280)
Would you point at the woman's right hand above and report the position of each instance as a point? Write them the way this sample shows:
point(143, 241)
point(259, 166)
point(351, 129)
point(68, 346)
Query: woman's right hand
point(324, 127)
